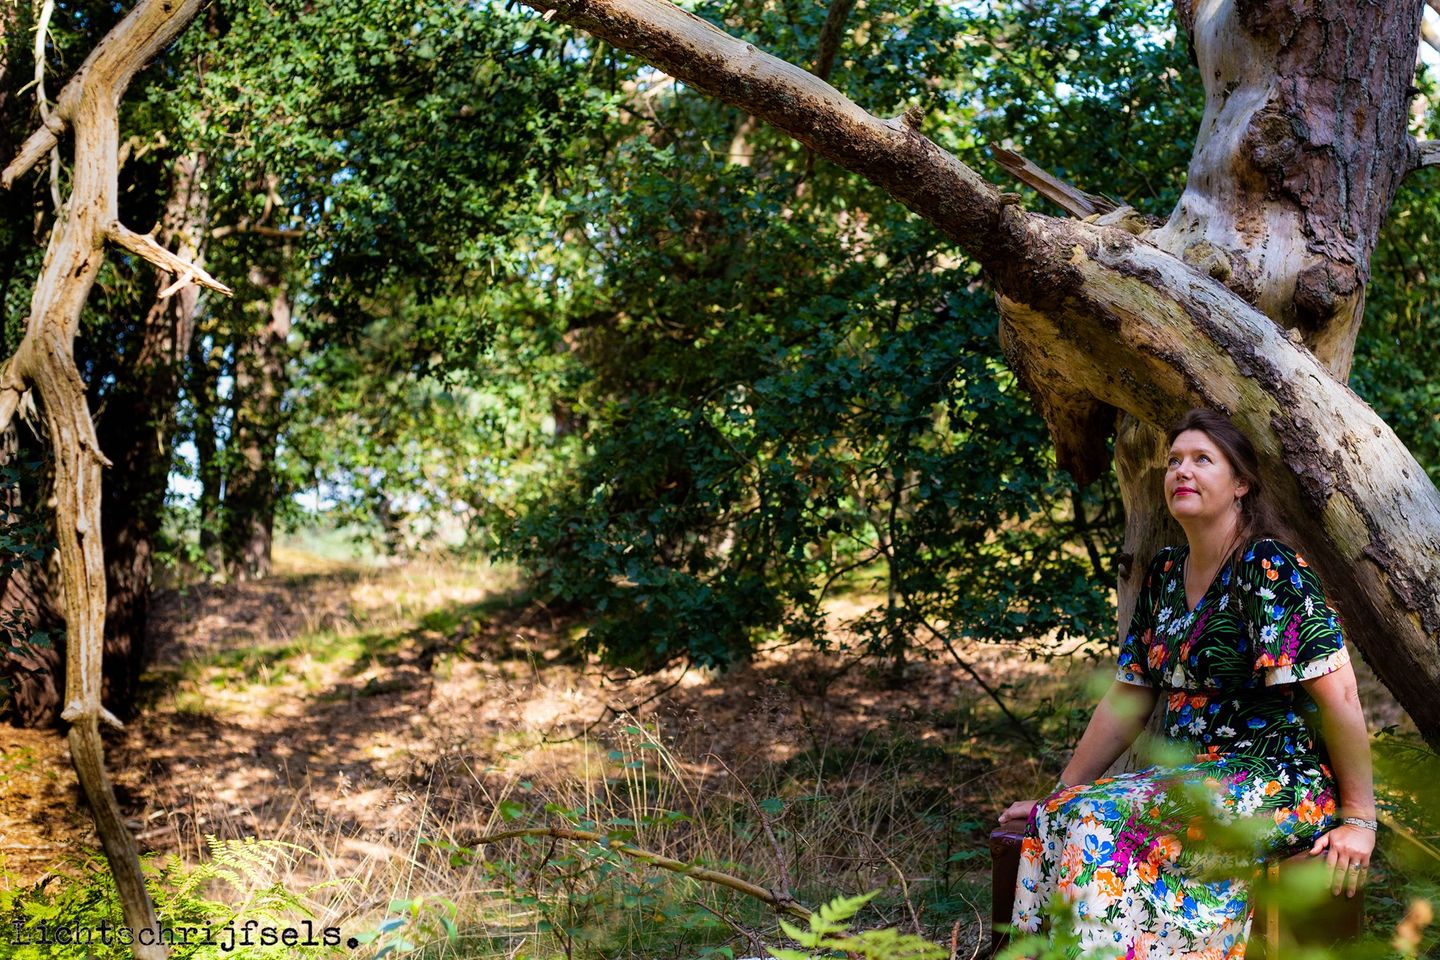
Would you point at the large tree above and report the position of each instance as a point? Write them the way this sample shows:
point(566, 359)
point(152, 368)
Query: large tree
point(1248, 298)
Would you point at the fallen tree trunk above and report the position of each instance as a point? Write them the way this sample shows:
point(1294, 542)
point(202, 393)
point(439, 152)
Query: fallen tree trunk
point(44, 361)
point(1098, 321)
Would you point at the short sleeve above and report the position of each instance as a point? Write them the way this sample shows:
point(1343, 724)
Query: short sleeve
point(1133, 666)
point(1297, 633)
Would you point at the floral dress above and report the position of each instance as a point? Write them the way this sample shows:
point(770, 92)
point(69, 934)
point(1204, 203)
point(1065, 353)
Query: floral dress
point(1157, 863)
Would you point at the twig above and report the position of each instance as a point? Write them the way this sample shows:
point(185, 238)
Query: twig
point(617, 711)
point(656, 860)
point(784, 891)
point(900, 874)
point(975, 675)
point(754, 940)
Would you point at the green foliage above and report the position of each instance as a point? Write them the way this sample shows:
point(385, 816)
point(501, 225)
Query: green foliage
point(829, 933)
point(204, 910)
point(791, 388)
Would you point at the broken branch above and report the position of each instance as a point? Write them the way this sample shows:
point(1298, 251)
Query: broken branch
point(1071, 199)
point(143, 245)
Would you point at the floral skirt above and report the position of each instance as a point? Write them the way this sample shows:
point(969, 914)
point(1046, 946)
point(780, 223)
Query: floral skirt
point(1137, 857)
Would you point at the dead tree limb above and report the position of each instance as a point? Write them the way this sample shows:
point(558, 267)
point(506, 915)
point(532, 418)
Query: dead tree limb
point(779, 903)
point(44, 361)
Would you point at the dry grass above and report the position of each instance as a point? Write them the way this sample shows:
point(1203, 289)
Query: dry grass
point(364, 715)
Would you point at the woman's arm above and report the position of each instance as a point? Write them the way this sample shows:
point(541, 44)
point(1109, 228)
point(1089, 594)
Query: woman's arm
point(1342, 723)
point(1116, 722)
point(1114, 725)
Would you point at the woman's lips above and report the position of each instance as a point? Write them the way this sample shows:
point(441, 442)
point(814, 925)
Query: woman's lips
point(1181, 491)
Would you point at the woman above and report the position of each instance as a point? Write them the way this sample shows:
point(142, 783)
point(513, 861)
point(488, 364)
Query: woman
point(1233, 632)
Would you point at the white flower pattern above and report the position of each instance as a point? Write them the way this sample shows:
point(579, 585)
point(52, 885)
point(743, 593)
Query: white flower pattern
point(1127, 850)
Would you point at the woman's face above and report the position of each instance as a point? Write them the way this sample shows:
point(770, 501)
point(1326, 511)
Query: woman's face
point(1200, 484)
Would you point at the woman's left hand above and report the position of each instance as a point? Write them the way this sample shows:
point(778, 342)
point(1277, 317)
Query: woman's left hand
point(1349, 856)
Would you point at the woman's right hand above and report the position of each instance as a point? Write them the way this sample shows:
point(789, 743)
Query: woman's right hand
point(1018, 813)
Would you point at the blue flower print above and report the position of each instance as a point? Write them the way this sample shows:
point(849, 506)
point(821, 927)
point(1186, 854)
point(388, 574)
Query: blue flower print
point(1097, 851)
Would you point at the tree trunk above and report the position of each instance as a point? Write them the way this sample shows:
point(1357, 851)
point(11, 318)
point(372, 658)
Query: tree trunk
point(1303, 147)
point(32, 673)
point(135, 434)
point(251, 484)
point(45, 362)
point(205, 366)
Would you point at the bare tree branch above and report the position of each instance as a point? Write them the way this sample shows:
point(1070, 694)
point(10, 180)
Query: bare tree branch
point(891, 153)
point(144, 245)
point(34, 149)
point(1072, 200)
point(777, 903)
point(278, 233)
point(1427, 153)
point(45, 361)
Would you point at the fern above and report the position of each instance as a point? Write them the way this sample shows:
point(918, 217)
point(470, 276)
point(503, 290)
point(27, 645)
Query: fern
point(830, 934)
point(199, 904)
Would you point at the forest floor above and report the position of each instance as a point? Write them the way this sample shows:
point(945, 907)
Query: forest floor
point(372, 716)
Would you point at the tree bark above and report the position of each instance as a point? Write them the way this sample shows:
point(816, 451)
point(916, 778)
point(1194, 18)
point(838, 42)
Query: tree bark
point(203, 370)
point(135, 434)
point(251, 483)
point(44, 361)
point(33, 674)
point(1096, 320)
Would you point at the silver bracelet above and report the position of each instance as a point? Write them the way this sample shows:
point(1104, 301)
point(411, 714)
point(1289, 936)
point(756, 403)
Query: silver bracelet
point(1364, 824)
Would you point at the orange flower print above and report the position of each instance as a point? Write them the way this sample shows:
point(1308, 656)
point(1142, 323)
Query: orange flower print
point(1300, 561)
point(1166, 848)
point(1272, 788)
point(1283, 813)
point(1157, 655)
point(1110, 884)
point(1030, 849)
point(1072, 860)
point(1271, 574)
point(1146, 871)
point(1197, 830)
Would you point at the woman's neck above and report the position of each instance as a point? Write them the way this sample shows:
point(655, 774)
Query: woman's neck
point(1209, 547)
